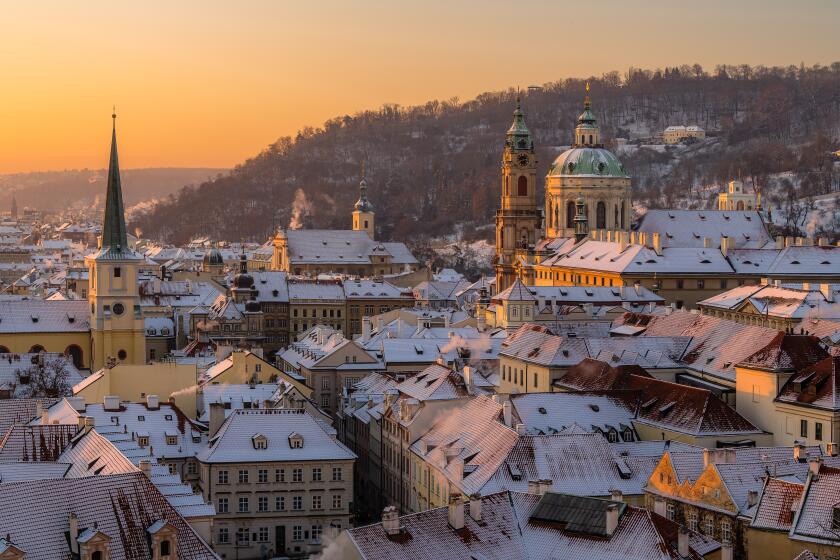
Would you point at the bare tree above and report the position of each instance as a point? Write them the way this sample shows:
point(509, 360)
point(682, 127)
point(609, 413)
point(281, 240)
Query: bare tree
point(47, 378)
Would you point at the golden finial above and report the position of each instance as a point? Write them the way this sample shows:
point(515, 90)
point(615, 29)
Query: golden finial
point(587, 87)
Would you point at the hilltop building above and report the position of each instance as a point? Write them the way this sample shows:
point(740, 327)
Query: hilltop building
point(737, 197)
point(676, 134)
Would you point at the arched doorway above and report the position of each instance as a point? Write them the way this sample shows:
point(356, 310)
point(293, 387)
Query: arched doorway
point(522, 186)
point(74, 352)
point(601, 215)
point(36, 348)
point(739, 205)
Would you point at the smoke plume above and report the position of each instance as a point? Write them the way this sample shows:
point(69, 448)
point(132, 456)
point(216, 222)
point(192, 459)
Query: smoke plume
point(300, 208)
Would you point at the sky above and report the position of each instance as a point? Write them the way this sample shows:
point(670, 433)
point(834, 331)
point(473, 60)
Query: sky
point(210, 83)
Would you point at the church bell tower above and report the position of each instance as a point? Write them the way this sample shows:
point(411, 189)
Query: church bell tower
point(116, 321)
point(517, 220)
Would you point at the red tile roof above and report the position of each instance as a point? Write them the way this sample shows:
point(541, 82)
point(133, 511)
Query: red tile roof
point(778, 503)
point(817, 385)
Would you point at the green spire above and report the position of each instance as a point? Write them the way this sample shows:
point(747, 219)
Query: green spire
point(518, 135)
point(113, 228)
point(587, 117)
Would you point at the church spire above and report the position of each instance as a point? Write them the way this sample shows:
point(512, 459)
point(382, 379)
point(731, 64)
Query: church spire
point(113, 228)
point(587, 132)
point(363, 204)
point(518, 135)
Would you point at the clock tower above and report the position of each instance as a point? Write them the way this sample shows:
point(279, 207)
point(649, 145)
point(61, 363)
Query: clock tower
point(116, 321)
point(517, 220)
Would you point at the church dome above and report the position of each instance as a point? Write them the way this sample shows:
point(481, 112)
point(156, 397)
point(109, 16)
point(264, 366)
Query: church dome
point(213, 257)
point(587, 161)
point(243, 280)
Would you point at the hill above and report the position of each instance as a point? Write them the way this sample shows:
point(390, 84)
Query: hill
point(435, 167)
point(81, 188)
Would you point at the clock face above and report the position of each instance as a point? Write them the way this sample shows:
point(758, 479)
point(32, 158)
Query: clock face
point(523, 160)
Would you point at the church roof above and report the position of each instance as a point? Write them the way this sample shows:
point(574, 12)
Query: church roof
point(587, 161)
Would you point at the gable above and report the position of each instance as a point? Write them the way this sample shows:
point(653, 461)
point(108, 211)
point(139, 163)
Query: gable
point(345, 355)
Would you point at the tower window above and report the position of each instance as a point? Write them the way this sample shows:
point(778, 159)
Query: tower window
point(601, 216)
point(117, 272)
point(570, 214)
point(122, 355)
point(522, 186)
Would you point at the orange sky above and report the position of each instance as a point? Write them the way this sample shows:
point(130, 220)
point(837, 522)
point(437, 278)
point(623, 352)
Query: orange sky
point(210, 83)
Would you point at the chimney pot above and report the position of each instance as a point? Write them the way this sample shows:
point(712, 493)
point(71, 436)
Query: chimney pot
point(682, 542)
point(831, 449)
point(814, 464)
point(391, 520)
point(152, 402)
point(507, 414)
point(612, 519)
point(617, 496)
point(475, 507)
point(534, 487)
point(456, 512)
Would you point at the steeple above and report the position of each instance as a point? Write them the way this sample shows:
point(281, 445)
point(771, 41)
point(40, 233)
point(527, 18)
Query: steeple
point(518, 136)
point(587, 132)
point(363, 214)
point(113, 228)
point(363, 204)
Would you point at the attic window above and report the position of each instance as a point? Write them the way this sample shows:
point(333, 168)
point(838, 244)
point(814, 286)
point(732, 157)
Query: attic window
point(34, 319)
point(726, 364)
point(794, 262)
point(296, 441)
point(168, 417)
point(594, 407)
point(705, 261)
point(259, 441)
point(565, 353)
point(513, 470)
point(649, 403)
point(141, 418)
point(665, 408)
point(542, 410)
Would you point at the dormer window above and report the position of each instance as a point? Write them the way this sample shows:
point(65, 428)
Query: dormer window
point(259, 441)
point(295, 441)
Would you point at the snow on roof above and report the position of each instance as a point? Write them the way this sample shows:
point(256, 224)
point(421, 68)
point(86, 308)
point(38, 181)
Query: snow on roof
point(232, 443)
point(779, 501)
point(118, 505)
point(548, 413)
point(315, 290)
point(538, 345)
point(20, 411)
point(815, 519)
point(507, 531)
point(792, 261)
point(340, 247)
point(815, 386)
point(234, 397)
point(370, 289)
point(434, 383)
point(32, 316)
point(780, 301)
point(271, 285)
point(688, 228)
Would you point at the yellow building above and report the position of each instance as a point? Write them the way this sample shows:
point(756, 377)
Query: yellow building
point(736, 197)
point(363, 211)
point(243, 367)
point(131, 382)
point(116, 320)
point(676, 134)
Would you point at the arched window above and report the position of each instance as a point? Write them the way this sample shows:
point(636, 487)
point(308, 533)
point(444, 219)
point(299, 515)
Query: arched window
point(74, 352)
point(601, 215)
point(570, 214)
point(615, 221)
point(36, 349)
point(622, 214)
point(97, 555)
point(122, 355)
point(557, 216)
point(522, 186)
point(507, 185)
point(590, 139)
point(739, 205)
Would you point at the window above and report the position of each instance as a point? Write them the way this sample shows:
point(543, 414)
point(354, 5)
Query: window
point(262, 503)
point(262, 534)
point(818, 431)
point(280, 503)
point(522, 186)
point(279, 475)
point(316, 474)
point(336, 472)
point(173, 468)
point(192, 468)
point(142, 441)
point(243, 477)
point(297, 475)
point(316, 502)
point(692, 521)
point(244, 504)
point(725, 531)
point(117, 272)
point(224, 535)
point(669, 511)
point(709, 526)
point(680, 284)
point(601, 216)
point(297, 503)
point(325, 384)
point(223, 477)
point(222, 505)
point(336, 501)
point(243, 536)
point(297, 533)
point(723, 283)
point(701, 284)
point(171, 440)
point(803, 428)
point(317, 530)
point(262, 475)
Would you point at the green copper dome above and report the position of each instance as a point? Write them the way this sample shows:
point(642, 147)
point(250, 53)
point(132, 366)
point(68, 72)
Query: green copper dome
point(587, 161)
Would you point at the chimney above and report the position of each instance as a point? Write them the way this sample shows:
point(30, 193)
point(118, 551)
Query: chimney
point(74, 534)
point(726, 552)
point(814, 464)
point(657, 243)
point(707, 242)
point(365, 329)
point(831, 449)
point(456, 511)
point(806, 286)
point(612, 519)
point(708, 457)
point(152, 402)
point(780, 242)
point(752, 498)
point(146, 467)
point(788, 241)
point(217, 417)
point(475, 507)
point(111, 403)
point(622, 240)
point(682, 542)
point(616, 496)
point(534, 487)
point(725, 245)
point(546, 485)
point(659, 506)
point(822, 242)
point(90, 423)
point(391, 520)
point(798, 448)
point(521, 430)
point(632, 238)
point(446, 320)
point(456, 467)
point(468, 376)
point(507, 414)
point(81, 421)
point(637, 286)
point(827, 292)
point(78, 403)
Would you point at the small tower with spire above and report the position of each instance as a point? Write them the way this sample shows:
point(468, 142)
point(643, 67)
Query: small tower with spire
point(587, 131)
point(518, 219)
point(116, 321)
point(363, 210)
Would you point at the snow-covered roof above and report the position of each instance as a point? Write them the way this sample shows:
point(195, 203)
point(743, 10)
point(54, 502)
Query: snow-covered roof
point(322, 246)
point(233, 442)
point(34, 316)
point(235, 397)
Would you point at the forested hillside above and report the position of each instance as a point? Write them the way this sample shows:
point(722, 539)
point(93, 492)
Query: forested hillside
point(433, 166)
